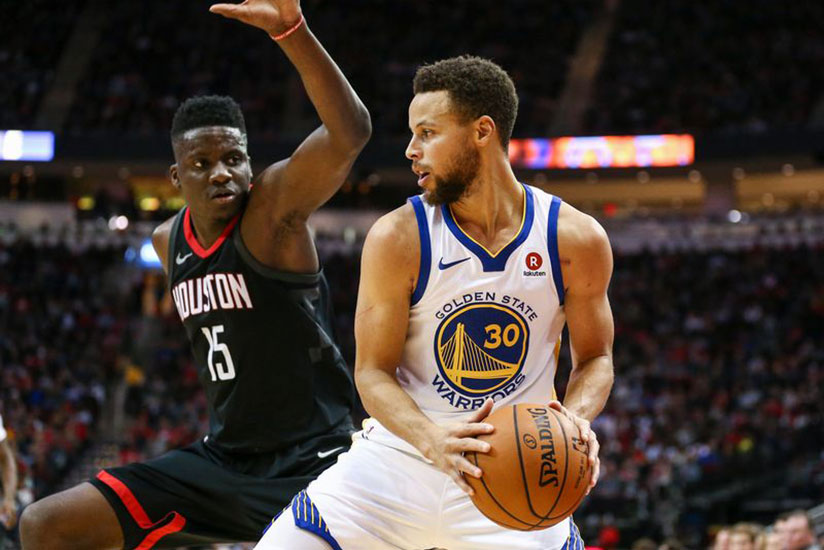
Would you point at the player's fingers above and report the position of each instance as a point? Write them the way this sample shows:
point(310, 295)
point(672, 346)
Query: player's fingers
point(470, 444)
point(463, 465)
point(226, 10)
point(461, 482)
point(594, 447)
point(555, 404)
point(484, 411)
point(472, 429)
point(596, 474)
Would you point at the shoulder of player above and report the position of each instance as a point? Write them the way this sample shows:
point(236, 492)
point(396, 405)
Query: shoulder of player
point(162, 233)
point(392, 246)
point(584, 251)
point(579, 232)
point(396, 233)
point(160, 240)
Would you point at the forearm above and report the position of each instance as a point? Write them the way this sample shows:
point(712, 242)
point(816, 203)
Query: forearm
point(338, 106)
point(389, 404)
point(589, 385)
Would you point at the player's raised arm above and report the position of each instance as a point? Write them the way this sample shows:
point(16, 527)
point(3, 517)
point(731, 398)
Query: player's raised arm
point(318, 167)
point(586, 260)
point(389, 270)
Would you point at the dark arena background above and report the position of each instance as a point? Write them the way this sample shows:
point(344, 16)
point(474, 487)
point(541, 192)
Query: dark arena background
point(693, 131)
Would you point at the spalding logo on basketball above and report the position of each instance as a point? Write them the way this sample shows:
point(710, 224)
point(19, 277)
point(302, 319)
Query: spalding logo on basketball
point(537, 472)
point(481, 347)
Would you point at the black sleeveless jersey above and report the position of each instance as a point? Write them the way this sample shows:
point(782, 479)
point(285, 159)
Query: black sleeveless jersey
point(262, 341)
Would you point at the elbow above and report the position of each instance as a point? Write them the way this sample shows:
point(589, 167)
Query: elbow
point(362, 128)
point(359, 131)
point(366, 380)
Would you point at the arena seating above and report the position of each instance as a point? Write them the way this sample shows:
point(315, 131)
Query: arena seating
point(710, 66)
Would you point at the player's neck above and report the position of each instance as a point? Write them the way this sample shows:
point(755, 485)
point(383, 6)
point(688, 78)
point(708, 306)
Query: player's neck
point(494, 203)
point(207, 231)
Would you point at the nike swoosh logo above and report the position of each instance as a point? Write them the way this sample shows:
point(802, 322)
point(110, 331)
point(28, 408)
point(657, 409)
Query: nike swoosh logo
point(180, 259)
point(443, 266)
point(324, 454)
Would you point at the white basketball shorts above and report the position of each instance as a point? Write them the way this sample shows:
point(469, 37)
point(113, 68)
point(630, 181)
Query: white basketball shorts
point(379, 498)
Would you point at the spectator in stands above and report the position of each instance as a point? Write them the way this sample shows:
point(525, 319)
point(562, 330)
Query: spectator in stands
point(799, 531)
point(722, 539)
point(772, 540)
point(645, 543)
point(744, 536)
point(672, 543)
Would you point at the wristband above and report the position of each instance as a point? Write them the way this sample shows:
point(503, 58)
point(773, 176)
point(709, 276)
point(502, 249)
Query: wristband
point(286, 33)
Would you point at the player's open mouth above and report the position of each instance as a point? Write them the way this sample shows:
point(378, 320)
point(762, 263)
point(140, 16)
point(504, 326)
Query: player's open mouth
point(422, 178)
point(223, 197)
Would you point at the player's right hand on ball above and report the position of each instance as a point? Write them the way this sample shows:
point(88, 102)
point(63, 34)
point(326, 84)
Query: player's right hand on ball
point(447, 444)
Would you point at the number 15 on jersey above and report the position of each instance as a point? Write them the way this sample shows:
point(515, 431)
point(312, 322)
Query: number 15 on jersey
point(220, 370)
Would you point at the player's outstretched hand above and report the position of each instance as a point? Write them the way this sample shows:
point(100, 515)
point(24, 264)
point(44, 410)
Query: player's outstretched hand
point(587, 436)
point(449, 442)
point(273, 16)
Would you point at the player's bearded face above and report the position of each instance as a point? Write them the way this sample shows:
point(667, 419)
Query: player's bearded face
point(456, 179)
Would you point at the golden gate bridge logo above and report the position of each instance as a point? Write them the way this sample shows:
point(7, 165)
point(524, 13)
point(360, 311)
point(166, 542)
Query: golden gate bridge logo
point(481, 347)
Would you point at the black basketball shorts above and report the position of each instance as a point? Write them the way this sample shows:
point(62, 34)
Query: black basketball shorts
point(198, 495)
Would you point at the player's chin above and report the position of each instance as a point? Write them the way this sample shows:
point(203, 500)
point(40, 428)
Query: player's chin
point(222, 209)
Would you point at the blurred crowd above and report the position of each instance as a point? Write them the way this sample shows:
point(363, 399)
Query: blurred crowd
point(670, 67)
point(682, 66)
point(62, 323)
point(792, 530)
point(150, 59)
point(33, 39)
point(719, 375)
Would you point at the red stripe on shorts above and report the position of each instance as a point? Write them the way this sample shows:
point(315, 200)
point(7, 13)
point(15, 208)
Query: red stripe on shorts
point(139, 514)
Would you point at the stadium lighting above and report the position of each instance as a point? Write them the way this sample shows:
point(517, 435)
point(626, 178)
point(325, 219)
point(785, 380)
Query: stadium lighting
point(118, 223)
point(17, 145)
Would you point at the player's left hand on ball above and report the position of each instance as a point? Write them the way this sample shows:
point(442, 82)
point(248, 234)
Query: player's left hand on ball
point(273, 16)
point(447, 444)
point(587, 436)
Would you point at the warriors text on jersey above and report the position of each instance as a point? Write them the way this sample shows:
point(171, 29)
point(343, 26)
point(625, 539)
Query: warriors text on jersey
point(262, 341)
point(482, 324)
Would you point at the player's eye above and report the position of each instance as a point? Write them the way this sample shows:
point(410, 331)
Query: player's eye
point(199, 163)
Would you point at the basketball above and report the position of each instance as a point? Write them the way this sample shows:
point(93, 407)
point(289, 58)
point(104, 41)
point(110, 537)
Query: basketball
point(536, 473)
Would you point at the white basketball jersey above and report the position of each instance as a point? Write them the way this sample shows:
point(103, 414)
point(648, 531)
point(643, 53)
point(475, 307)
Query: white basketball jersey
point(481, 324)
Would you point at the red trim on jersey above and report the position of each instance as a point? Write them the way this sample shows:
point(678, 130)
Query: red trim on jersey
point(139, 514)
point(192, 240)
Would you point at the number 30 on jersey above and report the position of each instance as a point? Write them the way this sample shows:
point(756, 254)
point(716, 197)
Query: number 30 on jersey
point(220, 370)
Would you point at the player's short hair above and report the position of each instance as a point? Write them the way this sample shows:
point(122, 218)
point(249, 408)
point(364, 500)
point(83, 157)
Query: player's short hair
point(476, 86)
point(207, 110)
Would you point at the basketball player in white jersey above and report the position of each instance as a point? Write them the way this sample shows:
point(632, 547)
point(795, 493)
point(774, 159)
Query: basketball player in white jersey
point(464, 293)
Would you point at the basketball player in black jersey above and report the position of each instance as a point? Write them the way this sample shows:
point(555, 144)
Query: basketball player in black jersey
point(247, 284)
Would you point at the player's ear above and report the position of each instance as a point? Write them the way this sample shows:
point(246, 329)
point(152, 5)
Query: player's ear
point(173, 175)
point(484, 130)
